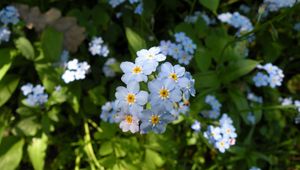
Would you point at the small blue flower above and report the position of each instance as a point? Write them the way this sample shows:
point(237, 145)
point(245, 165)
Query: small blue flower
point(196, 126)
point(190, 89)
point(164, 93)
point(151, 57)
point(175, 73)
point(175, 50)
point(129, 122)
point(4, 34)
point(155, 120)
point(222, 144)
point(9, 15)
point(245, 8)
point(228, 131)
point(165, 47)
point(184, 58)
point(35, 95)
point(225, 120)
point(115, 3)
point(260, 79)
point(180, 37)
point(254, 168)
point(139, 9)
point(107, 67)
point(97, 47)
point(136, 71)
point(131, 98)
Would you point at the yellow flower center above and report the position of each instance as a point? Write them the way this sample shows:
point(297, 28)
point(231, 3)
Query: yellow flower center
point(128, 119)
point(130, 98)
point(137, 70)
point(222, 144)
point(173, 76)
point(164, 93)
point(150, 56)
point(228, 131)
point(154, 119)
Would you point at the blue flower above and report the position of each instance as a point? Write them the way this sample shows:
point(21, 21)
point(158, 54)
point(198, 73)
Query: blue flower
point(213, 102)
point(107, 67)
point(136, 71)
point(165, 47)
point(139, 9)
point(222, 144)
point(151, 57)
point(163, 93)
point(190, 89)
point(196, 126)
point(184, 58)
point(175, 50)
point(175, 73)
point(297, 26)
point(180, 37)
point(4, 34)
point(254, 168)
point(35, 95)
point(275, 5)
point(260, 79)
point(131, 98)
point(75, 71)
point(115, 3)
point(228, 131)
point(9, 15)
point(129, 122)
point(97, 47)
point(155, 120)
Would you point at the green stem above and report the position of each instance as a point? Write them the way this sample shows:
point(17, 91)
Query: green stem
point(89, 148)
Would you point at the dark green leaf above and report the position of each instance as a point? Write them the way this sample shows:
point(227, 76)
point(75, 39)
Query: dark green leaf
point(135, 41)
point(11, 151)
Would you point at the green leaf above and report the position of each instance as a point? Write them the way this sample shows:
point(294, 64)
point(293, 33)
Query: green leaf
point(37, 152)
point(48, 75)
point(153, 159)
point(28, 126)
point(240, 102)
point(7, 86)
point(11, 151)
point(203, 59)
point(207, 79)
point(96, 95)
point(5, 62)
point(237, 69)
point(106, 148)
point(52, 44)
point(135, 41)
point(25, 48)
point(211, 5)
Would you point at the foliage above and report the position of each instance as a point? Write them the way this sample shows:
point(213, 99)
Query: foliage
point(66, 131)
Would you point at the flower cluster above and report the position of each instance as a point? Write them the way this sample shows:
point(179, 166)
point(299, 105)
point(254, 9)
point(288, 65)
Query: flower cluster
point(9, 15)
point(35, 95)
point(107, 68)
point(75, 71)
point(238, 21)
point(289, 101)
point(97, 47)
point(169, 88)
point(297, 26)
point(138, 9)
point(182, 50)
point(254, 98)
point(193, 18)
point(223, 136)
point(4, 34)
point(273, 78)
point(254, 168)
point(275, 5)
point(215, 105)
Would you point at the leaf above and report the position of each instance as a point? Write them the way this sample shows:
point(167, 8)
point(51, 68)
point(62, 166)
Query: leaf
point(25, 48)
point(52, 44)
point(207, 79)
point(5, 62)
point(28, 126)
point(11, 151)
point(237, 69)
point(203, 59)
point(37, 151)
point(211, 5)
point(7, 86)
point(106, 148)
point(48, 75)
point(96, 95)
point(135, 41)
point(152, 158)
point(240, 102)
